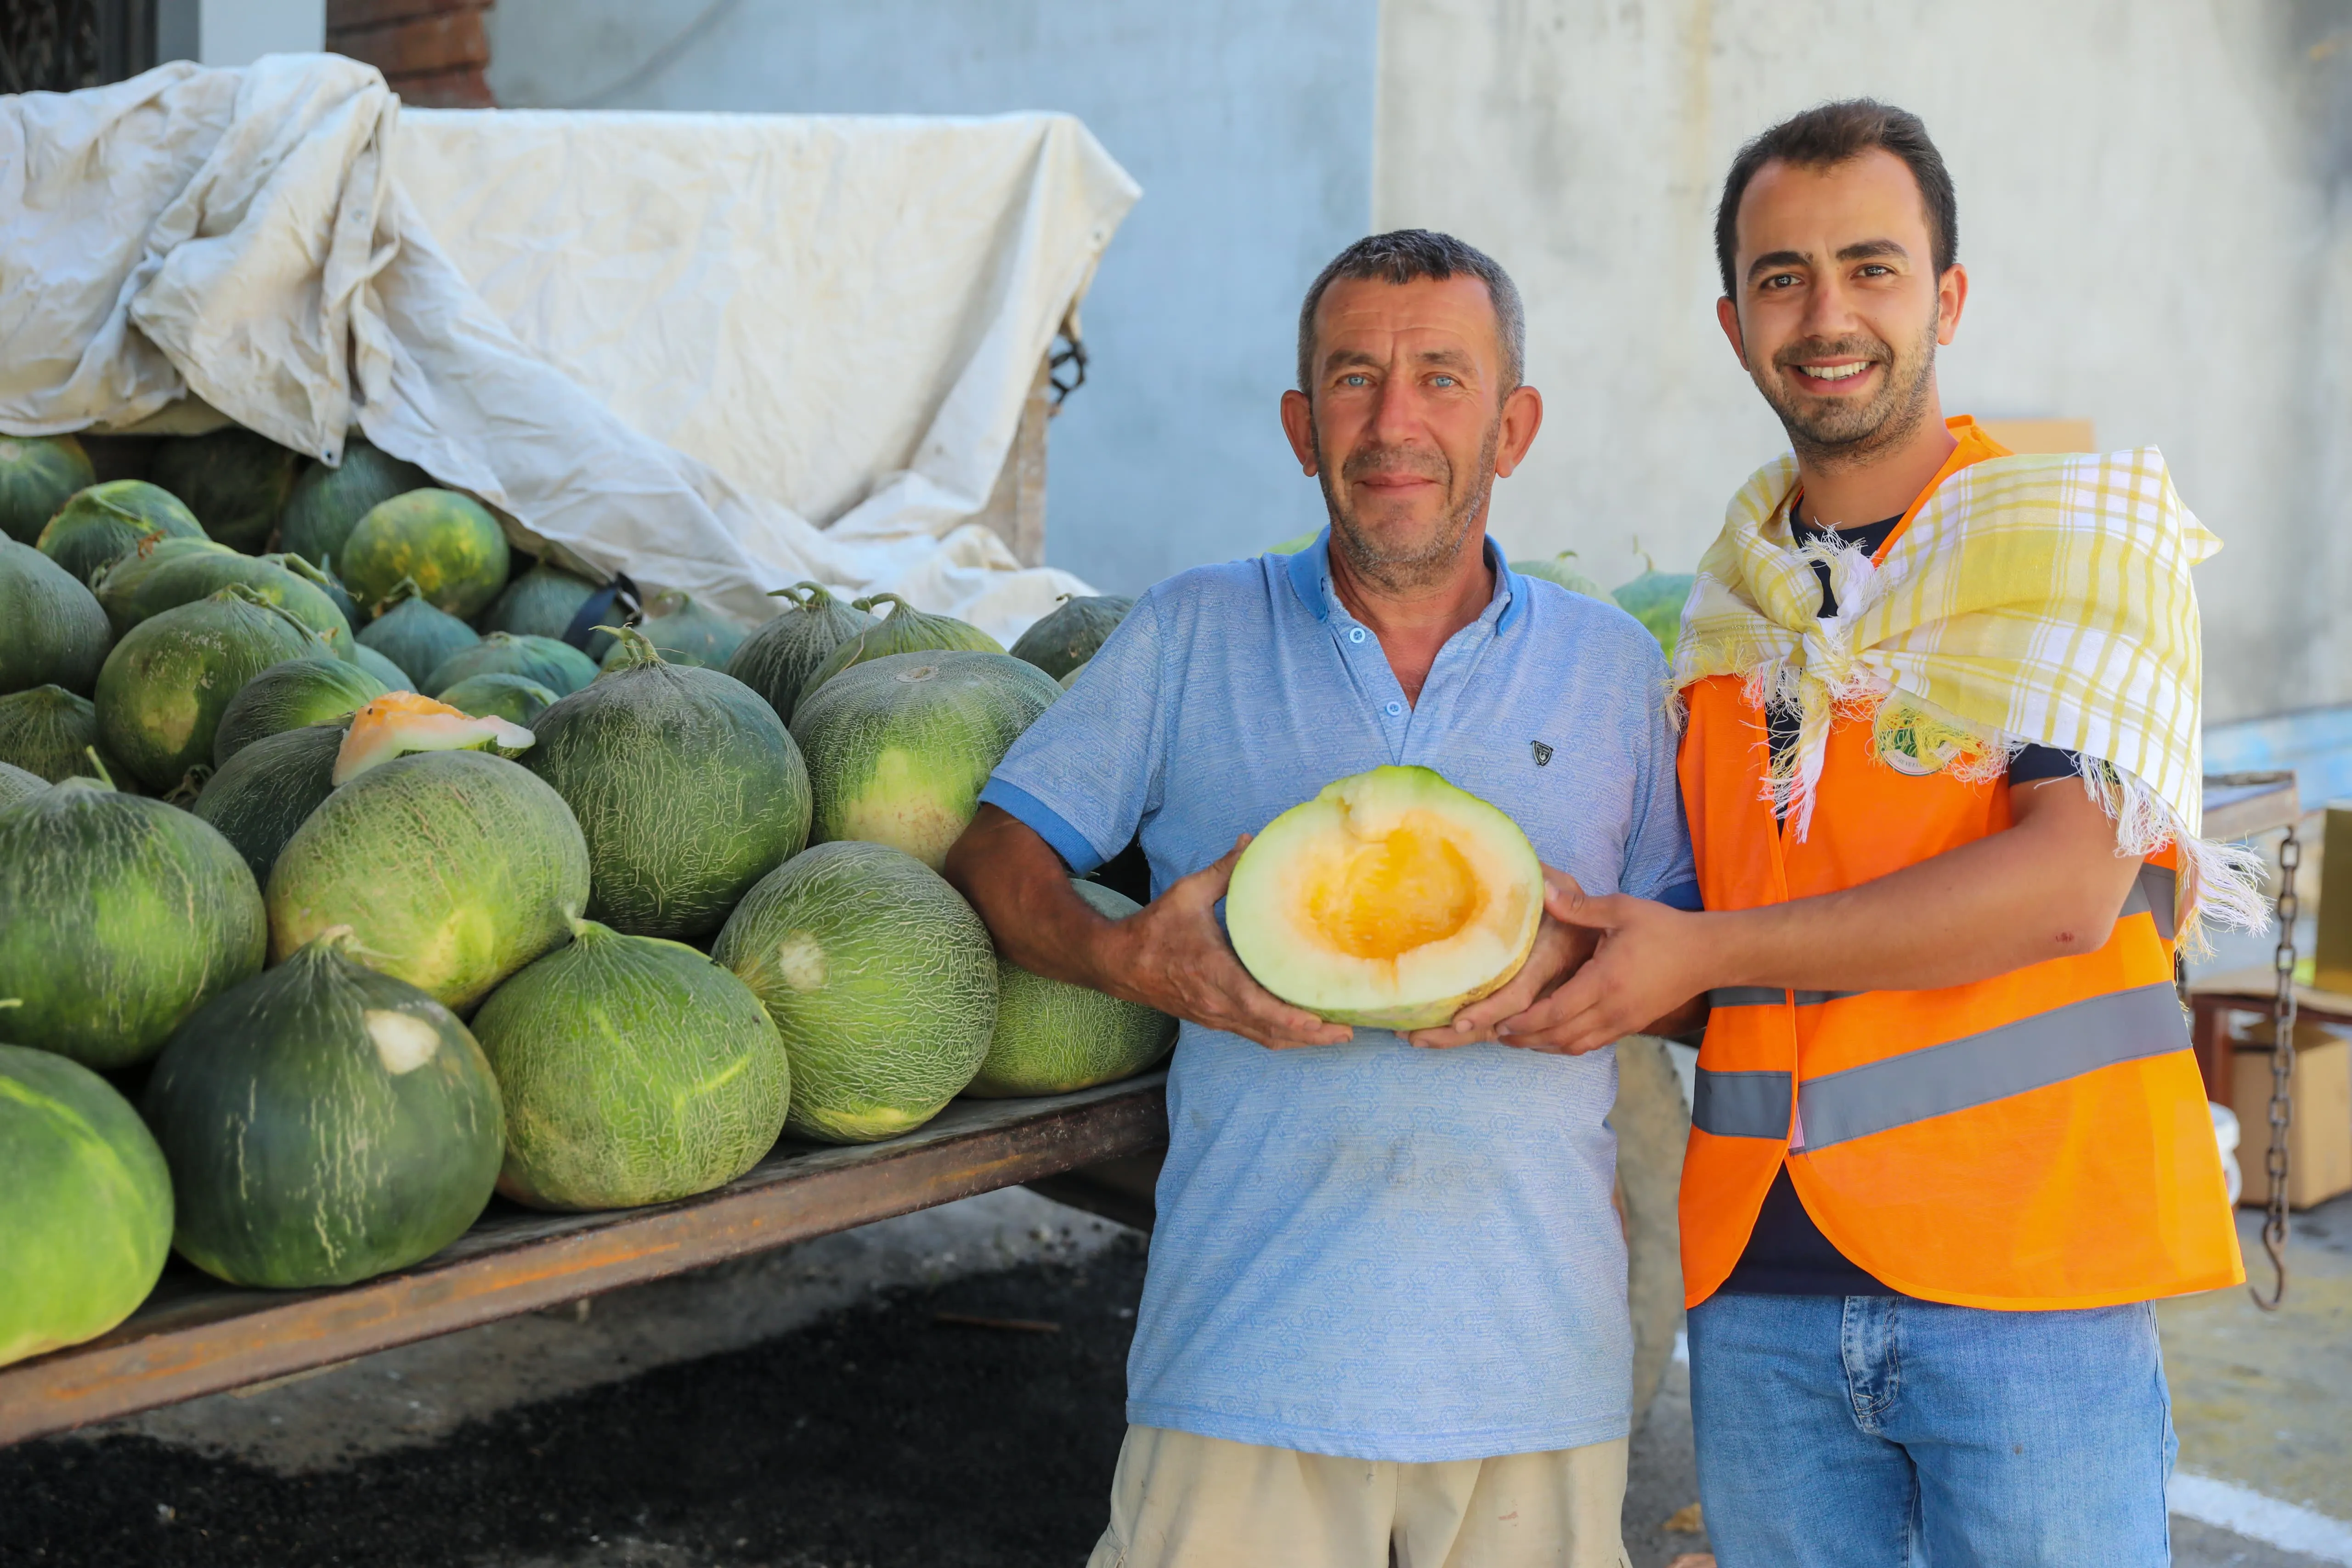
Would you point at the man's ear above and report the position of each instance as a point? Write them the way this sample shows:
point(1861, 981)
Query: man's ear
point(1298, 424)
point(1727, 315)
point(1951, 298)
point(1522, 417)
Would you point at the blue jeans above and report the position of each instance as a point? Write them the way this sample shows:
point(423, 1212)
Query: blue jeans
point(1883, 1432)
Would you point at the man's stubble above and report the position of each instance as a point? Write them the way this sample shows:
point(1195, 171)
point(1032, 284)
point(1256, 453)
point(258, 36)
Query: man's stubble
point(1836, 436)
point(1405, 572)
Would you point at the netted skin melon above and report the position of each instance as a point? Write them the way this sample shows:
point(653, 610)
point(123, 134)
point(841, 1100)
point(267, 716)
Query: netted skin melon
point(51, 733)
point(412, 634)
point(161, 691)
point(324, 1124)
point(38, 474)
point(85, 1204)
point(259, 796)
point(880, 980)
point(1562, 569)
point(328, 502)
point(686, 633)
point(134, 589)
point(235, 481)
point(1053, 1037)
point(777, 660)
point(447, 543)
point(1390, 900)
point(103, 521)
point(1655, 599)
point(289, 696)
point(16, 783)
point(635, 1071)
point(903, 629)
point(557, 666)
point(1069, 637)
point(898, 748)
point(52, 630)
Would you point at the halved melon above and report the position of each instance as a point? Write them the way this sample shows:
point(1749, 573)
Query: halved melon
point(1391, 900)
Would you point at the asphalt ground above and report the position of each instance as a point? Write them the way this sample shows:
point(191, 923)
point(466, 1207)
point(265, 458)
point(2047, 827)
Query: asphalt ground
point(923, 1414)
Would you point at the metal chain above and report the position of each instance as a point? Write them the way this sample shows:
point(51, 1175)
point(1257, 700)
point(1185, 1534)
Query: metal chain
point(2274, 1160)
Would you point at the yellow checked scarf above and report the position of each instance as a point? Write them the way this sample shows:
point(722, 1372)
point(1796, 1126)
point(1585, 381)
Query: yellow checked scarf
point(2034, 599)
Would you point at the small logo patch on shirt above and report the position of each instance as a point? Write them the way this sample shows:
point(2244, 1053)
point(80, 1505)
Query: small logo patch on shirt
point(1542, 751)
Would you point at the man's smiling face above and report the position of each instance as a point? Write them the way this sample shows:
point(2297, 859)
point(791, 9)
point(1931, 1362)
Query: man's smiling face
point(1839, 307)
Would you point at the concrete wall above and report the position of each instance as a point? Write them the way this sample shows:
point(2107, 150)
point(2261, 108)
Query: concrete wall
point(1247, 122)
point(2148, 214)
point(237, 32)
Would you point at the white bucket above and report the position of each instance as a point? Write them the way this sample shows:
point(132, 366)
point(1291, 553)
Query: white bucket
point(2225, 1134)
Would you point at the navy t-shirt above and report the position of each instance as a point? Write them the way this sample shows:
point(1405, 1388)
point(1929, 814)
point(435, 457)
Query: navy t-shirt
point(1787, 1254)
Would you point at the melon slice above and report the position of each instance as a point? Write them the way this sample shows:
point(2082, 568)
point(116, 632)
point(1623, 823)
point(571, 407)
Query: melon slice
point(1391, 900)
point(394, 725)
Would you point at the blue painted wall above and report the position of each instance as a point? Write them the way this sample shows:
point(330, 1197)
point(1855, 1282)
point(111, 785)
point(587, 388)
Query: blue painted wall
point(1249, 124)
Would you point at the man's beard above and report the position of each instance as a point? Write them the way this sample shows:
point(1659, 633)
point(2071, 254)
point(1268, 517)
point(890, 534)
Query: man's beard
point(1406, 569)
point(1837, 433)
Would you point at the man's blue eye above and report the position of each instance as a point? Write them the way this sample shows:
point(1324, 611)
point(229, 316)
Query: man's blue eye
point(1353, 381)
point(1442, 380)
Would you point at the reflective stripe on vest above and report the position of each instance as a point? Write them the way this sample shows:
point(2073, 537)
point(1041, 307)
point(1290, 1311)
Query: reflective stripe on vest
point(1771, 997)
point(1957, 1075)
point(2153, 893)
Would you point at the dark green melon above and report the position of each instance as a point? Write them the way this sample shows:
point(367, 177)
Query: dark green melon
point(898, 748)
point(326, 581)
point(119, 581)
point(905, 629)
point(164, 686)
point(777, 659)
point(413, 635)
point(85, 1204)
point(323, 1124)
point(688, 788)
point(394, 679)
point(513, 698)
point(557, 666)
point(142, 589)
point(260, 795)
point(38, 474)
point(543, 603)
point(1069, 637)
point(289, 696)
point(16, 783)
point(328, 502)
point(452, 868)
point(880, 979)
point(1655, 599)
point(101, 521)
point(122, 916)
point(448, 543)
point(52, 631)
point(1053, 1037)
point(49, 733)
point(635, 1070)
point(685, 632)
point(236, 482)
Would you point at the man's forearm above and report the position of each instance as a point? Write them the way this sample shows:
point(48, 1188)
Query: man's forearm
point(1022, 892)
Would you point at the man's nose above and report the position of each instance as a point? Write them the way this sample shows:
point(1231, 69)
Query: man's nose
point(1397, 415)
point(1829, 310)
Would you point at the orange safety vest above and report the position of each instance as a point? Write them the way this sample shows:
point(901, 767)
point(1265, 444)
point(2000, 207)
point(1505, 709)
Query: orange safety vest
point(2035, 1141)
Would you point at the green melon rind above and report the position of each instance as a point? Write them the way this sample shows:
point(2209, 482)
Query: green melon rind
point(684, 632)
point(102, 521)
point(1053, 1037)
point(686, 786)
point(898, 748)
point(880, 980)
point(119, 581)
point(905, 629)
point(1069, 637)
point(542, 602)
point(514, 698)
point(394, 678)
point(448, 543)
point(149, 588)
point(291, 695)
point(52, 629)
point(123, 915)
point(311, 1140)
point(85, 1204)
point(415, 637)
point(48, 731)
point(1258, 884)
point(328, 502)
point(38, 474)
point(777, 660)
point(161, 691)
point(16, 783)
point(557, 666)
point(1556, 569)
point(634, 1071)
point(268, 789)
point(1655, 599)
point(236, 482)
point(452, 868)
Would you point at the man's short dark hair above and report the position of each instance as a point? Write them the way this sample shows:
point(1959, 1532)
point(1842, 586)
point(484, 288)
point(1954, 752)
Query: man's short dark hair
point(1403, 255)
point(1827, 135)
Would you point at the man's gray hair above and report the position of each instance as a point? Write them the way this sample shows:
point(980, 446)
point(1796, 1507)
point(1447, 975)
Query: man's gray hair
point(1399, 257)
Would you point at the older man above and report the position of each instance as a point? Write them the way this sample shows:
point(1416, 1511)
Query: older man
point(1386, 1306)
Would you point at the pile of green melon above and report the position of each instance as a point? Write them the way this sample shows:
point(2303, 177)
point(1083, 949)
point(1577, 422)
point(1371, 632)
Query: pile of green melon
point(350, 879)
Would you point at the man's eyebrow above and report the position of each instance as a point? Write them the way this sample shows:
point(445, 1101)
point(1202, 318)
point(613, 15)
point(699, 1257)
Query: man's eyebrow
point(1338, 359)
point(1869, 249)
point(1458, 357)
point(1773, 259)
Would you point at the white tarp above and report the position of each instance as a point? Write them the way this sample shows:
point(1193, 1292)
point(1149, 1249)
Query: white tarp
point(675, 344)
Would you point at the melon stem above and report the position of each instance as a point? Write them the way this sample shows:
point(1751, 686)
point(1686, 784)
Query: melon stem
point(104, 777)
point(636, 649)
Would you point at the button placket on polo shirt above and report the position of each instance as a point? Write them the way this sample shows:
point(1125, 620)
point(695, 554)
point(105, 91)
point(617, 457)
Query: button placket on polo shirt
point(1361, 651)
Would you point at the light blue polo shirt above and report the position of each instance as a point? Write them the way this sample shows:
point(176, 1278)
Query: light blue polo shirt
point(1370, 1249)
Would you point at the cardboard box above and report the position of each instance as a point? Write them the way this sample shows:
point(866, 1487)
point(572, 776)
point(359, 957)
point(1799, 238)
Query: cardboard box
point(2319, 1138)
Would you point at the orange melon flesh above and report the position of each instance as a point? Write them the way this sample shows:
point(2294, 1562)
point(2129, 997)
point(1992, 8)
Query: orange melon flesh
point(1391, 900)
point(402, 722)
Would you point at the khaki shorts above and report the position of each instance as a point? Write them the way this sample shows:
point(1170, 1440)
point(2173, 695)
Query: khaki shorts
point(1182, 1500)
